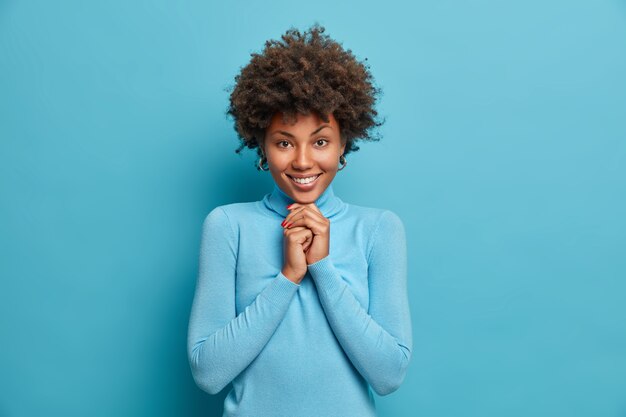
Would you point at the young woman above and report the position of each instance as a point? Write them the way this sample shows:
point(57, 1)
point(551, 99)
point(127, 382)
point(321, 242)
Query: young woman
point(301, 299)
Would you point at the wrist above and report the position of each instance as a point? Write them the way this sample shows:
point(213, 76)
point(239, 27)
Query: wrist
point(316, 259)
point(292, 275)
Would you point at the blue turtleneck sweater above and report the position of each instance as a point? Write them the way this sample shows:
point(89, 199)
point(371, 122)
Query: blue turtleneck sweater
point(308, 349)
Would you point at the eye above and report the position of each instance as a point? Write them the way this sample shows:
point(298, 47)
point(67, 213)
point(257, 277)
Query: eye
point(321, 140)
point(281, 142)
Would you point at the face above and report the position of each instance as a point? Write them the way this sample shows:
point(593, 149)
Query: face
point(303, 157)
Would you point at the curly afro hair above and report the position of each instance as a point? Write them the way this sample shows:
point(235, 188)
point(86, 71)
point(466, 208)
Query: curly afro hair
point(303, 73)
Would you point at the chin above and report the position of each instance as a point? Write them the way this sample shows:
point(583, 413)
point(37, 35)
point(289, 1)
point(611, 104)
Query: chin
point(304, 197)
point(303, 200)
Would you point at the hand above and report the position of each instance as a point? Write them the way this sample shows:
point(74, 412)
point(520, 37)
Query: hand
point(310, 216)
point(296, 240)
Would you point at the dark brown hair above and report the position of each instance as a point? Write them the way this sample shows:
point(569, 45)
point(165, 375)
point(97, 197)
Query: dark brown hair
point(303, 73)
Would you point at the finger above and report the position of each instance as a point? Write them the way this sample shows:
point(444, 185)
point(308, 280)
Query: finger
point(295, 205)
point(291, 215)
point(307, 220)
point(306, 210)
point(310, 206)
point(294, 229)
point(306, 216)
point(300, 235)
point(308, 242)
point(315, 208)
point(300, 217)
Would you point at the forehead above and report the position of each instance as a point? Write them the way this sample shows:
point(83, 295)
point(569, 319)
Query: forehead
point(302, 122)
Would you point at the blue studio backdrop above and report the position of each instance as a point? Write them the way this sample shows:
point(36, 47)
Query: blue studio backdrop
point(503, 151)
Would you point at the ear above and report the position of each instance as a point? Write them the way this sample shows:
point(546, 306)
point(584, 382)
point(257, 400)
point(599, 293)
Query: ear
point(343, 147)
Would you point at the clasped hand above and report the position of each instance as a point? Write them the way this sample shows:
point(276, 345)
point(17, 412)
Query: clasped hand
point(306, 239)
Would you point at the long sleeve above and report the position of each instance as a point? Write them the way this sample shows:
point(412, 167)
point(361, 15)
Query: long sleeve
point(378, 344)
point(219, 344)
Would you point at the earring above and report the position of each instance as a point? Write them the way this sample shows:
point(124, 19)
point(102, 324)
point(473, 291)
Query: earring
point(343, 162)
point(262, 163)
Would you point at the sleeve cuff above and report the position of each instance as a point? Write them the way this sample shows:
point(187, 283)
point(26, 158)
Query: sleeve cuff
point(281, 290)
point(325, 275)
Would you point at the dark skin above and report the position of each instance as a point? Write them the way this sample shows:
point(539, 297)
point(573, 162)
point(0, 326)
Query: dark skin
point(307, 148)
point(306, 232)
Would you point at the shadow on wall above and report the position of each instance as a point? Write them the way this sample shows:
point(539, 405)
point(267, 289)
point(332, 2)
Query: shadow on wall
point(237, 182)
point(202, 404)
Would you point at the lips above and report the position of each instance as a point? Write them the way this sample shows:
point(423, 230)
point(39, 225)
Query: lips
point(305, 186)
point(302, 177)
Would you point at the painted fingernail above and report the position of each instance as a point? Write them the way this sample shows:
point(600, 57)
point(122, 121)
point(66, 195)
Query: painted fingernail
point(282, 223)
point(289, 225)
point(289, 206)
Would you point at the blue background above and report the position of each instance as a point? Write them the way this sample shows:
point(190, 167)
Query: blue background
point(504, 152)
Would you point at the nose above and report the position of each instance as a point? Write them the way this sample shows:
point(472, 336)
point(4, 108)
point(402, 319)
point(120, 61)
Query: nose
point(303, 159)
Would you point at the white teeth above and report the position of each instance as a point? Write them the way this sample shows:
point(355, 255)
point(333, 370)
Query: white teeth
point(304, 180)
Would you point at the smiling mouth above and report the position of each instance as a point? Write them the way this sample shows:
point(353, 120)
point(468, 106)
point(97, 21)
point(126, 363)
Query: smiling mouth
point(304, 181)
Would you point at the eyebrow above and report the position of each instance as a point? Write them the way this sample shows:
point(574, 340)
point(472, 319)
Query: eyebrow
point(312, 133)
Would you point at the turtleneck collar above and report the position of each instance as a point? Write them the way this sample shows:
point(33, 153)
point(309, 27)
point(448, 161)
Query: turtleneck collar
point(328, 203)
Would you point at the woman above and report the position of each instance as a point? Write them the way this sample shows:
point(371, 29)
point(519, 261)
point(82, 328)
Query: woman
point(301, 299)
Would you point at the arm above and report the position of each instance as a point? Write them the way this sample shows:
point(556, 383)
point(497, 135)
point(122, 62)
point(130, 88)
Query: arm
point(379, 343)
point(220, 345)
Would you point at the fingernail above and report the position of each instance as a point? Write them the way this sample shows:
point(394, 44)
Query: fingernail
point(289, 225)
point(283, 223)
point(289, 206)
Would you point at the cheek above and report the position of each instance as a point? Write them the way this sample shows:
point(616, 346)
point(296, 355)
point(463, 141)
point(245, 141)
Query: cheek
point(276, 161)
point(330, 162)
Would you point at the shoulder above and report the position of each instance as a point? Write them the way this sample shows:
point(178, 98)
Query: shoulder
point(227, 216)
point(383, 229)
point(373, 217)
point(381, 226)
point(232, 211)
